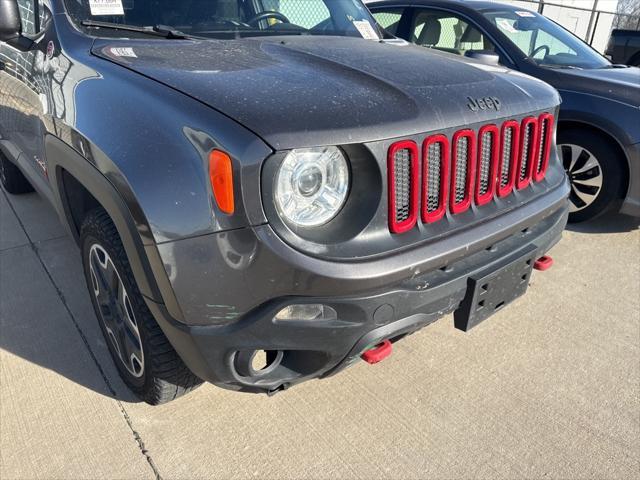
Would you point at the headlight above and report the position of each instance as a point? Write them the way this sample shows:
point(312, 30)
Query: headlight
point(312, 185)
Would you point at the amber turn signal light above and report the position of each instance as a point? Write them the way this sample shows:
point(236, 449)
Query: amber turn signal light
point(221, 176)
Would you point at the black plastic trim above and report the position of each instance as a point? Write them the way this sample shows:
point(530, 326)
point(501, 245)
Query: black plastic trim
point(145, 261)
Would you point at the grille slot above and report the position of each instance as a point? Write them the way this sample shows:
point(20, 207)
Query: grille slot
point(545, 137)
point(402, 166)
point(402, 169)
point(507, 155)
point(542, 135)
point(527, 143)
point(434, 159)
point(462, 170)
point(435, 171)
point(462, 162)
point(485, 162)
point(528, 151)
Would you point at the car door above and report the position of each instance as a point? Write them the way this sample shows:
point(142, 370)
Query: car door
point(23, 96)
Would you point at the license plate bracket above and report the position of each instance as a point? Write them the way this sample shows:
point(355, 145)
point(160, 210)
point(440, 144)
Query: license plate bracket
point(492, 290)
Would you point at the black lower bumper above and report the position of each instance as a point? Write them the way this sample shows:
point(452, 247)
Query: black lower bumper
point(301, 350)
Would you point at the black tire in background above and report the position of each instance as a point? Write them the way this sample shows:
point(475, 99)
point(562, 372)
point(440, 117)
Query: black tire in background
point(596, 172)
point(12, 178)
point(156, 373)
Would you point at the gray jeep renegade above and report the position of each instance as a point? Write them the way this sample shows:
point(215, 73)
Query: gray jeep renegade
point(267, 191)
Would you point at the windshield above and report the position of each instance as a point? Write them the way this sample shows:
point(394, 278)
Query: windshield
point(545, 42)
point(226, 18)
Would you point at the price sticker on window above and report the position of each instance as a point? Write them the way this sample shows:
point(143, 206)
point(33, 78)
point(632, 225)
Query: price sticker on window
point(106, 7)
point(366, 30)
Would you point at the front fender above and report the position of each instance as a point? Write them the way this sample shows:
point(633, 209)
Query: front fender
point(152, 143)
point(617, 119)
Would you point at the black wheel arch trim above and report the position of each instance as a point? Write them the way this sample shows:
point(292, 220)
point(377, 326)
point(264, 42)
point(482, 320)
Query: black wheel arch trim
point(146, 264)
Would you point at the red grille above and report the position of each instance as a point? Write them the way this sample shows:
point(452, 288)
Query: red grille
point(528, 151)
point(509, 148)
point(487, 166)
point(463, 152)
point(545, 136)
point(470, 168)
point(435, 177)
point(402, 168)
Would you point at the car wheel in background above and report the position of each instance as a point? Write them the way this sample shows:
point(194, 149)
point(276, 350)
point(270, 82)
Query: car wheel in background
point(595, 171)
point(12, 178)
point(145, 359)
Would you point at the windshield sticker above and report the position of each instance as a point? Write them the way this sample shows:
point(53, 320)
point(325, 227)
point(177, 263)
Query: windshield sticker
point(366, 30)
point(524, 13)
point(123, 52)
point(505, 25)
point(106, 7)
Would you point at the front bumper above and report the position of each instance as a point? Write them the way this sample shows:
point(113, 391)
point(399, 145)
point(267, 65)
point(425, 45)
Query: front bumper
point(221, 353)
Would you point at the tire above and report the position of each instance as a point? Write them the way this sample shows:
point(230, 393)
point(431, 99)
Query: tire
point(595, 170)
point(153, 370)
point(12, 179)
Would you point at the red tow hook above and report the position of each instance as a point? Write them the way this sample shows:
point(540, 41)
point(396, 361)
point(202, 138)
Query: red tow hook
point(543, 263)
point(378, 353)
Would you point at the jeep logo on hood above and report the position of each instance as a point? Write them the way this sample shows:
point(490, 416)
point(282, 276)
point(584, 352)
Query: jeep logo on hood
point(492, 103)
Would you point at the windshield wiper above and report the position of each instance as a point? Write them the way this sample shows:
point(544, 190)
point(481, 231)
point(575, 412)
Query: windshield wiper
point(163, 31)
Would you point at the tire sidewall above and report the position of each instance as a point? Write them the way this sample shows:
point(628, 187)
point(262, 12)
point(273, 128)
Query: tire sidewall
point(89, 239)
point(610, 166)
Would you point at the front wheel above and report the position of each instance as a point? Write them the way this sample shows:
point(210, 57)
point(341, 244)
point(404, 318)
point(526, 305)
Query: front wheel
point(145, 359)
point(595, 172)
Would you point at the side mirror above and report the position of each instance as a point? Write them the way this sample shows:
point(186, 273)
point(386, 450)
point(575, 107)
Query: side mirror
point(11, 27)
point(484, 56)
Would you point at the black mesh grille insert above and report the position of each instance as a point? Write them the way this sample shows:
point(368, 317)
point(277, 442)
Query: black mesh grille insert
point(402, 183)
point(507, 153)
point(433, 176)
point(543, 133)
point(527, 145)
point(462, 160)
point(485, 161)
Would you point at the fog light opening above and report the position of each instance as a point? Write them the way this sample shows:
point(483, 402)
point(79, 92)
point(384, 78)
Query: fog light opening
point(260, 360)
point(257, 363)
point(264, 361)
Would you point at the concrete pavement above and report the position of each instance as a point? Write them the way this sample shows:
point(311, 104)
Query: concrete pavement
point(548, 387)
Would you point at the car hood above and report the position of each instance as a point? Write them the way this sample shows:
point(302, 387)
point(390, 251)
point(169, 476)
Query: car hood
point(306, 91)
point(619, 84)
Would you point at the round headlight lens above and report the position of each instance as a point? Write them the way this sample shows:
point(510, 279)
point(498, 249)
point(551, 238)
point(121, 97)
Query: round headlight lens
point(312, 185)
